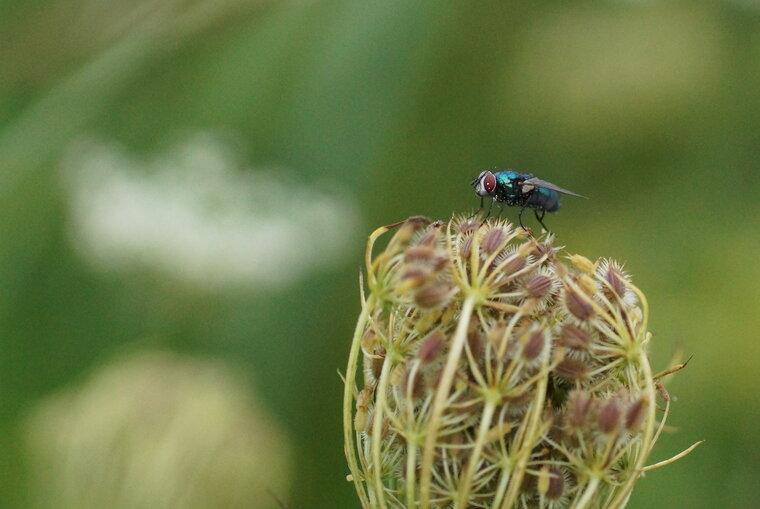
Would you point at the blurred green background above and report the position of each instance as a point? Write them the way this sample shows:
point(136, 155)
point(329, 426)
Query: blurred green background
point(199, 177)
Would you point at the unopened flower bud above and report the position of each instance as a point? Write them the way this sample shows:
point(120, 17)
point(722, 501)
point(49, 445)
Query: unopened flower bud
point(539, 286)
point(615, 278)
point(516, 263)
point(587, 284)
point(551, 482)
point(493, 240)
point(636, 414)
point(468, 226)
point(582, 263)
point(534, 345)
point(430, 347)
point(419, 254)
point(407, 230)
point(429, 238)
point(578, 409)
point(433, 295)
point(609, 416)
point(466, 247)
point(574, 337)
point(571, 369)
point(577, 306)
point(362, 409)
point(414, 278)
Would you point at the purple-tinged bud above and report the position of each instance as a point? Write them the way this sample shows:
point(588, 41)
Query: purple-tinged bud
point(407, 230)
point(571, 369)
point(475, 340)
point(609, 416)
point(616, 281)
point(516, 263)
point(413, 278)
point(543, 249)
point(440, 263)
point(433, 295)
point(419, 254)
point(429, 238)
point(411, 384)
point(430, 347)
point(551, 482)
point(494, 240)
point(468, 226)
point(577, 306)
point(420, 221)
point(539, 286)
point(636, 413)
point(574, 337)
point(578, 409)
point(466, 247)
point(534, 346)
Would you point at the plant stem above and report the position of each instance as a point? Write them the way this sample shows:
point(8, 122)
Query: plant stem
point(588, 493)
point(442, 394)
point(464, 484)
point(348, 399)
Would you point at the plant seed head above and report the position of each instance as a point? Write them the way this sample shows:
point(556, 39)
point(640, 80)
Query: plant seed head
point(430, 347)
point(609, 416)
point(574, 337)
point(577, 306)
point(636, 413)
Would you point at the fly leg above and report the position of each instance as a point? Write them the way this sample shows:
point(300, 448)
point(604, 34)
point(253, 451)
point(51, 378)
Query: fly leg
point(541, 218)
point(519, 218)
point(479, 210)
point(489, 212)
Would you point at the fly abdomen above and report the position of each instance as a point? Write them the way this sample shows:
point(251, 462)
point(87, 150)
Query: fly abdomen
point(543, 199)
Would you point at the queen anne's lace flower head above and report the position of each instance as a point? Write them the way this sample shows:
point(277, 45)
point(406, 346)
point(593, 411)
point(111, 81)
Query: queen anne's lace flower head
point(495, 373)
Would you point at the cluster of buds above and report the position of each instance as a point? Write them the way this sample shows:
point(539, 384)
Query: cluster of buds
point(493, 372)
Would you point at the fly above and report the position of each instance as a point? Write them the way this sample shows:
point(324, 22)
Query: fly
point(519, 190)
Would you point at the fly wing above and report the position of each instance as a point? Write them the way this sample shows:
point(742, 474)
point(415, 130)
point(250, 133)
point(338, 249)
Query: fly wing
point(548, 185)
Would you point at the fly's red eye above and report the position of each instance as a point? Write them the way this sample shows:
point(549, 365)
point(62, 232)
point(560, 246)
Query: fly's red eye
point(489, 182)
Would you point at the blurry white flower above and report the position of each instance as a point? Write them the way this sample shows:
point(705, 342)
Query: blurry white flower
point(197, 215)
point(157, 430)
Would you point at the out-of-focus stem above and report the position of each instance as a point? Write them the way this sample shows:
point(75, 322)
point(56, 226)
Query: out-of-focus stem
point(528, 437)
point(464, 484)
point(439, 403)
point(588, 493)
point(377, 435)
point(649, 430)
point(411, 466)
point(348, 399)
